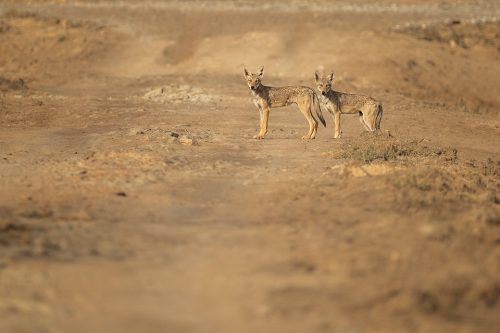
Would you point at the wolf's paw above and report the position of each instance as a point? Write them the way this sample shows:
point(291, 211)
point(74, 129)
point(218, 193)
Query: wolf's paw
point(306, 137)
point(258, 137)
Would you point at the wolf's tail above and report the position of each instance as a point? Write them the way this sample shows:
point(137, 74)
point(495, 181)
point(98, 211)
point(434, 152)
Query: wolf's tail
point(317, 108)
point(378, 119)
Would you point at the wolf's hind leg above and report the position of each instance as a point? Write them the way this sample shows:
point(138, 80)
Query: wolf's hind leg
point(370, 117)
point(338, 130)
point(315, 130)
point(313, 124)
point(378, 118)
point(362, 120)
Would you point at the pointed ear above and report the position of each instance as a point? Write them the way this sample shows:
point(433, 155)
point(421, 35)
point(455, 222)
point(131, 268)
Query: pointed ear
point(245, 72)
point(261, 72)
point(331, 76)
point(317, 77)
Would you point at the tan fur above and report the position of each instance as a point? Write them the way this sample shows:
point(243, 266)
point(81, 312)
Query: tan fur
point(266, 98)
point(337, 103)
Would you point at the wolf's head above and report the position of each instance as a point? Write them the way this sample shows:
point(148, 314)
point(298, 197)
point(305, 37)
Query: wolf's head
point(253, 80)
point(324, 84)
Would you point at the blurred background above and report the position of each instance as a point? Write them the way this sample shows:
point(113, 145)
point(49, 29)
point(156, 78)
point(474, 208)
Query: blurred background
point(133, 197)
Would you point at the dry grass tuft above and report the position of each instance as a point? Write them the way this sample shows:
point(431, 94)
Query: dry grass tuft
point(370, 147)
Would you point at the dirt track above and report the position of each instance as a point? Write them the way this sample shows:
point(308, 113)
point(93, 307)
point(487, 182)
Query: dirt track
point(134, 199)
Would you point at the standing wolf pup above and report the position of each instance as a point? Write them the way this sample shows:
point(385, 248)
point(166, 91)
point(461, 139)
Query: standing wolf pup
point(266, 98)
point(369, 110)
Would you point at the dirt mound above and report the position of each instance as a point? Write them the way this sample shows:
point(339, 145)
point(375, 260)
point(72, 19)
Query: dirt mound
point(457, 43)
point(364, 170)
point(464, 34)
point(178, 94)
point(7, 84)
point(155, 134)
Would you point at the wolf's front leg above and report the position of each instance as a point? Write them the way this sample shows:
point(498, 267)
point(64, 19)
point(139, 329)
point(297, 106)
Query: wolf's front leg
point(263, 123)
point(338, 130)
point(260, 118)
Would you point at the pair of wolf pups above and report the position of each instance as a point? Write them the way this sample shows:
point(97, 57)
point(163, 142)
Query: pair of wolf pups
point(369, 110)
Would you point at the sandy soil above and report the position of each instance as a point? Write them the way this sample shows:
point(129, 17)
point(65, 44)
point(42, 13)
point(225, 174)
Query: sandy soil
point(134, 199)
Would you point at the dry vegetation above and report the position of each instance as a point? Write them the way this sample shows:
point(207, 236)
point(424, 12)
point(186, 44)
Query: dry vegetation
point(379, 146)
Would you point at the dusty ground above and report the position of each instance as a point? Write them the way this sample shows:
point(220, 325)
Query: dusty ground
point(133, 199)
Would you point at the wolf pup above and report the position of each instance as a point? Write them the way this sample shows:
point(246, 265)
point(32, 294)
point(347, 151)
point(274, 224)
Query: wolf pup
point(337, 103)
point(266, 98)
